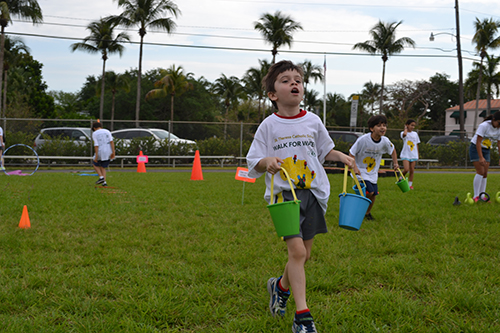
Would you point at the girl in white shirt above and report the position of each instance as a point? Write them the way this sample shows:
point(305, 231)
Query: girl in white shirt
point(409, 153)
point(479, 150)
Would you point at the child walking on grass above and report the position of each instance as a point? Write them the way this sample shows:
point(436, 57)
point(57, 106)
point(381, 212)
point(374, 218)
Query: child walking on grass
point(298, 141)
point(368, 151)
point(410, 153)
point(104, 149)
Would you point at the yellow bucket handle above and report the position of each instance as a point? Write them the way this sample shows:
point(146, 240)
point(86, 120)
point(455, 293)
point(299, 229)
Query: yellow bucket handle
point(396, 175)
point(354, 176)
point(289, 182)
point(355, 179)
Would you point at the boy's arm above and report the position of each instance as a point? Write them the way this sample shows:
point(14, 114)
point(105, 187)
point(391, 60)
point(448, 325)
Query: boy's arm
point(356, 170)
point(335, 155)
point(112, 143)
point(394, 156)
point(269, 164)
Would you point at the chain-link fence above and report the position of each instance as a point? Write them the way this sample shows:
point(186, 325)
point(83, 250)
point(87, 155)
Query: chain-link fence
point(212, 139)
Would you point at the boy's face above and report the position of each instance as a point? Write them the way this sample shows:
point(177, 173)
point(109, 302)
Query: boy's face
point(289, 89)
point(379, 129)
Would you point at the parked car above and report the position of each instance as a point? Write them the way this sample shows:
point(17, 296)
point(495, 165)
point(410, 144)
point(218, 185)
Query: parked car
point(349, 137)
point(79, 135)
point(443, 140)
point(126, 135)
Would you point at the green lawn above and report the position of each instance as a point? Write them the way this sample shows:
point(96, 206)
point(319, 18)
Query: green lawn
point(157, 252)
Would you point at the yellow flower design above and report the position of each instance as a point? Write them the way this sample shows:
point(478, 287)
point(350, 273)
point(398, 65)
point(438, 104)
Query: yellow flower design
point(411, 145)
point(299, 172)
point(370, 163)
point(487, 143)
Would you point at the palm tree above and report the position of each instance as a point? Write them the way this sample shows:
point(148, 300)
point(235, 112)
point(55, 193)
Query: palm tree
point(115, 82)
point(101, 40)
point(14, 48)
point(312, 101)
point(229, 89)
point(384, 42)
point(253, 82)
point(146, 14)
point(277, 30)
point(24, 9)
point(485, 39)
point(490, 78)
point(174, 82)
point(370, 93)
point(311, 72)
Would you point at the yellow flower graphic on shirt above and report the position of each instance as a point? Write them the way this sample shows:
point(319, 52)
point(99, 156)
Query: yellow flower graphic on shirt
point(299, 172)
point(370, 163)
point(411, 145)
point(487, 143)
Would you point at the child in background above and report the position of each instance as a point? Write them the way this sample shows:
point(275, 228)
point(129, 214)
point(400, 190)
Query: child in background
point(2, 148)
point(409, 153)
point(299, 142)
point(104, 149)
point(479, 150)
point(368, 151)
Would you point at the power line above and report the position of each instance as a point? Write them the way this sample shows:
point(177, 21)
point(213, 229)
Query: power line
point(245, 49)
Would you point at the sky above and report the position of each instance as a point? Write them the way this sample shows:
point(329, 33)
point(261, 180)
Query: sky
point(215, 37)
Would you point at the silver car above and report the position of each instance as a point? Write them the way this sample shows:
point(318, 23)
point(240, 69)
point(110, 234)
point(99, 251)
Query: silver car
point(126, 135)
point(79, 135)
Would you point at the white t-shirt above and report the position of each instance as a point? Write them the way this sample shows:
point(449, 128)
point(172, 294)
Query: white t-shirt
point(1, 135)
point(368, 155)
point(103, 138)
point(410, 142)
point(302, 143)
point(488, 133)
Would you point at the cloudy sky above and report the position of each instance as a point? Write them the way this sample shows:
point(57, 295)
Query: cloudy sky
point(217, 36)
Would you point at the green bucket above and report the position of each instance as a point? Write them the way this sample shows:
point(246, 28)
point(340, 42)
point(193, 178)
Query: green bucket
point(403, 183)
point(285, 215)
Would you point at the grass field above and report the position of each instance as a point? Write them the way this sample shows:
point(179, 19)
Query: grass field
point(157, 252)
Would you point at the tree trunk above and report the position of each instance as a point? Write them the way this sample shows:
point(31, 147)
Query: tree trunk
point(478, 94)
point(138, 101)
point(225, 122)
point(113, 109)
point(382, 89)
point(2, 51)
point(171, 113)
point(5, 94)
point(101, 105)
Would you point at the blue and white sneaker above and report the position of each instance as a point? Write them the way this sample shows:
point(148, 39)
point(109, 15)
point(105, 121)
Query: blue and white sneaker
point(277, 303)
point(2, 168)
point(304, 325)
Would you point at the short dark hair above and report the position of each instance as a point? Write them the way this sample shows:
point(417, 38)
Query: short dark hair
point(409, 121)
point(274, 71)
point(494, 116)
point(375, 120)
point(96, 125)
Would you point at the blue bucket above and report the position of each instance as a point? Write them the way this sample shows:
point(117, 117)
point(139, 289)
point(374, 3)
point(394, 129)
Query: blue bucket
point(352, 210)
point(363, 188)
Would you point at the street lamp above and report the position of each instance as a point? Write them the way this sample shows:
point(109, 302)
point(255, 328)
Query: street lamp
point(460, 70)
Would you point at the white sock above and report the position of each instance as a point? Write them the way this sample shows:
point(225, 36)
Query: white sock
point(478, 180)
point(410, 183)
point(101, 177)
point(483, 185)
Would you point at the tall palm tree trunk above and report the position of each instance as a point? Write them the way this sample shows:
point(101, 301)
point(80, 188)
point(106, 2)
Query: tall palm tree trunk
point(138, 101)
point(101, 105)
point(2, 51)
point(112, 109)
point(382, 88)
point(478, 94)
point(171, 112)
point(4, 101)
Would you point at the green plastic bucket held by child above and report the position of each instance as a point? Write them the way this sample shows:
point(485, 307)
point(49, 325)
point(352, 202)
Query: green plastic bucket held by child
point(403, 183)
point(285, 215)
point(352, 207)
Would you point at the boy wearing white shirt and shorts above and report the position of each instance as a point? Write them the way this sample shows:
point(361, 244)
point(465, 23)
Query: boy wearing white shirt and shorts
point(104, 149)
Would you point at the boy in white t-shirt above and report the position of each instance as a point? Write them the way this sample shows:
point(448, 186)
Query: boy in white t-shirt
point(2, 148)
point(410, 153)
point(368, 151)
point(299, 142)
point(104, 149)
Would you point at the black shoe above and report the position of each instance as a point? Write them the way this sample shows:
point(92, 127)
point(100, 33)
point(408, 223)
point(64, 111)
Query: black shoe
point(369, 216)
point(100, 181)
point(104, 184)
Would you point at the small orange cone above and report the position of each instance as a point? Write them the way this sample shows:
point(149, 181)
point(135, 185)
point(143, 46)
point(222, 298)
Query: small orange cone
point(197, 174)
point(141, 165)
point(25, 219)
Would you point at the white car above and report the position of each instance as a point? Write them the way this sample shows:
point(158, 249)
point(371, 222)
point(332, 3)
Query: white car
point(159, 134)
point(79, 135)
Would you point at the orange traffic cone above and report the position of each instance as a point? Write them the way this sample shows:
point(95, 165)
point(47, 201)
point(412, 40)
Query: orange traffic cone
point(197, 174)
point(141, 165)
point(25, 219)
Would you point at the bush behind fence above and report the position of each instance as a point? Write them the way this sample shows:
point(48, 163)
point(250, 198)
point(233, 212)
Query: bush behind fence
point(212, 139)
